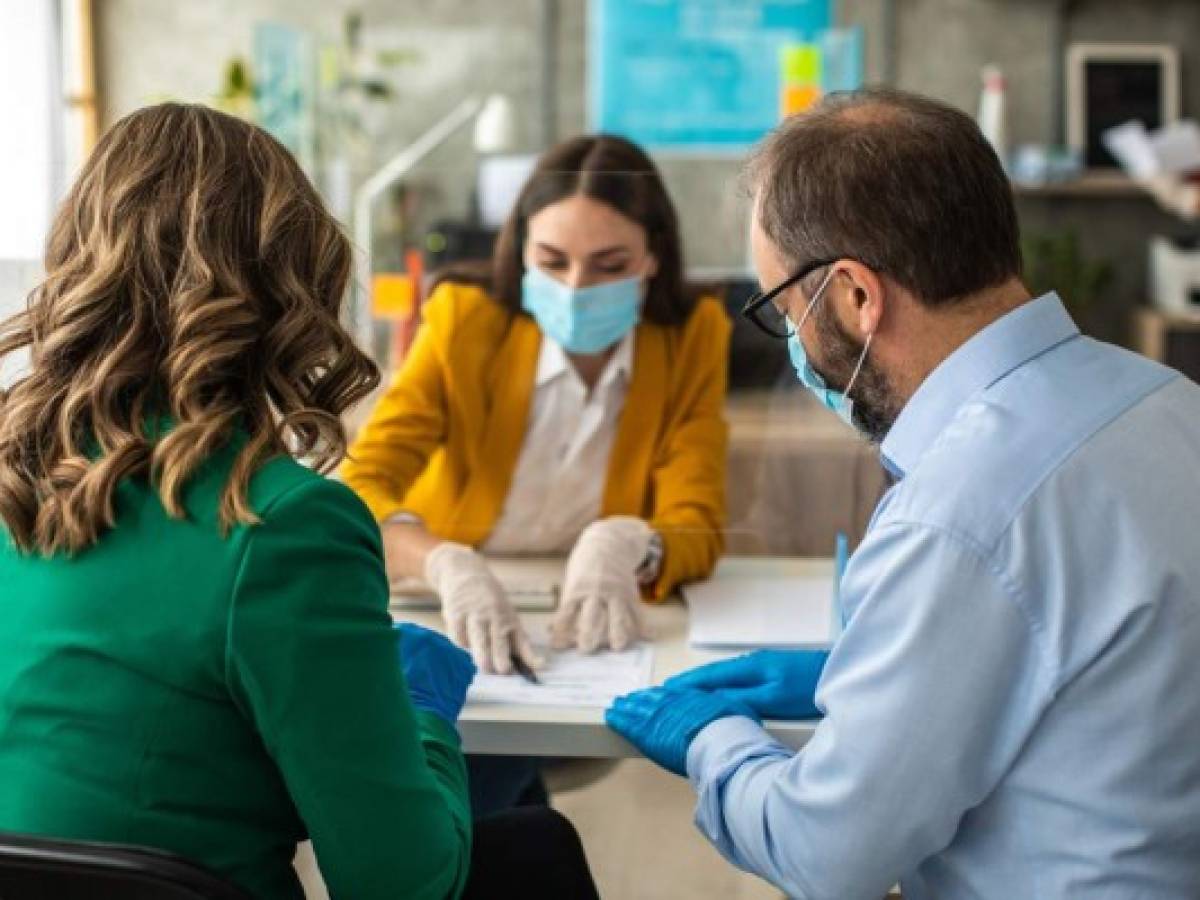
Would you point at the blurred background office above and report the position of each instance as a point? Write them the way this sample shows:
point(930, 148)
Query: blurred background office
point(465, 91)
point(419, 120)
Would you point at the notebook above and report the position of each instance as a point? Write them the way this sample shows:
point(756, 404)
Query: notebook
point(741, 613)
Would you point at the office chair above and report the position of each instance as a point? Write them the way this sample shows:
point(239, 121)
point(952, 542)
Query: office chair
point(37, 868)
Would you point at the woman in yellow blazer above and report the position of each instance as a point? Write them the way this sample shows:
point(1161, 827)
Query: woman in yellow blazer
point(574, 404)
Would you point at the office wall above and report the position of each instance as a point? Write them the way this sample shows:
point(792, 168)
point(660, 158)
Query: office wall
point(152, 49)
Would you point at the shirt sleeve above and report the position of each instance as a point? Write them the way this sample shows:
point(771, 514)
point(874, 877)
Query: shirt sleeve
point(929, 695)
point(312, 660)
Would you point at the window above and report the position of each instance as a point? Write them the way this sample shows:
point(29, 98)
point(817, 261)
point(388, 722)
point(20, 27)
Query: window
point(30, 159)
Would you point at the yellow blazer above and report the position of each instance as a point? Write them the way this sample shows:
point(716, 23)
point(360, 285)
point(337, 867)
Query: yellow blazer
point(444, 440)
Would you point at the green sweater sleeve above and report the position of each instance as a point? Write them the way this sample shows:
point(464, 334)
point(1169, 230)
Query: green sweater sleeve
point(312, 660)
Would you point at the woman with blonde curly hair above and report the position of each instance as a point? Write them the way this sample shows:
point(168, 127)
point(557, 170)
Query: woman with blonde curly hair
point(195, 649)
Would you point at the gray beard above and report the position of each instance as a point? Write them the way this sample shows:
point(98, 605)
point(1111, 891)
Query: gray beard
point(876, 405)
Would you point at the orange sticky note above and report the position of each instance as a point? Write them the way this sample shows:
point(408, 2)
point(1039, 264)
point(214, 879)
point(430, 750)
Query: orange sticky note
point(797, 98)
point(392, 295)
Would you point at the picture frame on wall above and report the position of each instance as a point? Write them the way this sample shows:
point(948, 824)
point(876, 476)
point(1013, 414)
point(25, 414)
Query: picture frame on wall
point(1111, 84)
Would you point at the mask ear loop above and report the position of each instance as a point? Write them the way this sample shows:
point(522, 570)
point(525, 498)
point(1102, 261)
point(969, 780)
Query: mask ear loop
point(820, 291)
point(861, 359)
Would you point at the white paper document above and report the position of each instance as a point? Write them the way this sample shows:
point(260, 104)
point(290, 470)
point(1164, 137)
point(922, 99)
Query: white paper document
point(1173, 149)
point(570, 678)
point(761, 612)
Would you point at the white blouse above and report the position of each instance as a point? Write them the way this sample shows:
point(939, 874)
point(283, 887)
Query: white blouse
point(559, 480)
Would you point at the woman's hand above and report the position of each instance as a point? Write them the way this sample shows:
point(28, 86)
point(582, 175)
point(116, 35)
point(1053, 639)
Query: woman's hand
point(437, 673)
point(476, 608)
point(601, 594)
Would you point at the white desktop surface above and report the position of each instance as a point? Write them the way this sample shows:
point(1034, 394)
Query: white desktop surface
point(572, 731)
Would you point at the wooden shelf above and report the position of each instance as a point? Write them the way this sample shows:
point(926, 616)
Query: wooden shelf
point(1156, 317)
point(1169, 337)
point(1091, 185)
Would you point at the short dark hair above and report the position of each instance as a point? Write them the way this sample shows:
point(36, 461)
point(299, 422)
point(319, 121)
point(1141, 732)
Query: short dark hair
point(904, 184)
point(620, 174)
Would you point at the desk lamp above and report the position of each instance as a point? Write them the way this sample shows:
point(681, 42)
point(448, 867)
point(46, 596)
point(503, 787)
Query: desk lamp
point(495, 132)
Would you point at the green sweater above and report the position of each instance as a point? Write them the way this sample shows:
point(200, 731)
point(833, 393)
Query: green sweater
point(223, 697)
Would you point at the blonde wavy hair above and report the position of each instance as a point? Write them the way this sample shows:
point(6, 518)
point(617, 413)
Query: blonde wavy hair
point(193, 276)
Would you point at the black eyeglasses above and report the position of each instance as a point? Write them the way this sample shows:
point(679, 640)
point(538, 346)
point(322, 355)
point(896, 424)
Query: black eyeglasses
point(762, 311)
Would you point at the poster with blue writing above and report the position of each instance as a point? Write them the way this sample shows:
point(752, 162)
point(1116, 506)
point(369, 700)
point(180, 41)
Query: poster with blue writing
point(693, 76)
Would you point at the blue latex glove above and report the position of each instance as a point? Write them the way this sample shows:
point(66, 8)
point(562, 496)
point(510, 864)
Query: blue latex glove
point(776, 684)
point(662, 723)
point(438, 672)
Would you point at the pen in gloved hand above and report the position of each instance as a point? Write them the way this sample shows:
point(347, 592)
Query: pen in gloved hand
point(519, 664)
point(523, 670)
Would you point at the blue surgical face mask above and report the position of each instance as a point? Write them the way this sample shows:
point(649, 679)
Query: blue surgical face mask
point(582, 320)
point(836, 401)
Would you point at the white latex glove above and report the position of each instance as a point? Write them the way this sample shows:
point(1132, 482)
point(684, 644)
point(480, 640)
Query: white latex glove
point(477, 611)
point(601, 595)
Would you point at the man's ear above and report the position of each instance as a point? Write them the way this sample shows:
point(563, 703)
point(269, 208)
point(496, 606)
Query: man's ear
point(868, 296)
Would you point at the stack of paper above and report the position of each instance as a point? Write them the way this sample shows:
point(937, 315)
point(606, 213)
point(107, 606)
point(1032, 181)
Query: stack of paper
point(570, 678)
point(762, 612)
point(531, 585)
point(1173, 149)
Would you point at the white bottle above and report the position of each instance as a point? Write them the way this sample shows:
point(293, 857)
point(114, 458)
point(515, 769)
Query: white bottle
point(992, 113)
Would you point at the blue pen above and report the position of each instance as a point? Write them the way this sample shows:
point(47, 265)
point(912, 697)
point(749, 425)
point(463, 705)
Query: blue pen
point(841, 556)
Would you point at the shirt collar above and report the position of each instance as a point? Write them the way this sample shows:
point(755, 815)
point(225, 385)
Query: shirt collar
point(553, 363)
point(1003, 346)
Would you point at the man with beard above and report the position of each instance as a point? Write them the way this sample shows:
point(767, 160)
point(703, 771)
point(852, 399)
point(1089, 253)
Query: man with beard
point(1011, 709)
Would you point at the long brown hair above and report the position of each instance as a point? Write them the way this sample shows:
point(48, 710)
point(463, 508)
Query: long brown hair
point(192, 276)
point(615, 172)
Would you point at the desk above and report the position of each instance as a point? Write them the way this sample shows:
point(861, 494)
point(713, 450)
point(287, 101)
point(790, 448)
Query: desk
point(572, 731)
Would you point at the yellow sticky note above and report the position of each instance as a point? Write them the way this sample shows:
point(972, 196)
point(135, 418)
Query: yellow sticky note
point(799, 77)
point(801, 64)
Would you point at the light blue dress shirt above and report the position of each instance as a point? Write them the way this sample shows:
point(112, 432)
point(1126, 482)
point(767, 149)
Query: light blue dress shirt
point(1013, 709)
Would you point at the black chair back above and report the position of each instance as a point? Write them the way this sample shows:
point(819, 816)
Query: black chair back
point(37, 868)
